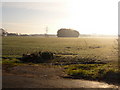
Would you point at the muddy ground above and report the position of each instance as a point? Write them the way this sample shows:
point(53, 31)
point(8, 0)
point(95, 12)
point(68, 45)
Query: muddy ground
point(37, 76)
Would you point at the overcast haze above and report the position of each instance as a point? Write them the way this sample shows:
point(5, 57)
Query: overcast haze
point(85, 16)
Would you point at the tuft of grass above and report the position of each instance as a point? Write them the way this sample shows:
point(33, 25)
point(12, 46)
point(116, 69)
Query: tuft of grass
point(7, 64)
point(104, 72)
point(7, 61)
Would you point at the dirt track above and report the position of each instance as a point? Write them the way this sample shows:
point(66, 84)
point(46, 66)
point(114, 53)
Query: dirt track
point(30, 76)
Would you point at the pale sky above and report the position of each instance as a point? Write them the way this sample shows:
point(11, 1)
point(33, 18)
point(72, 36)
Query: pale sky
point(85, 16)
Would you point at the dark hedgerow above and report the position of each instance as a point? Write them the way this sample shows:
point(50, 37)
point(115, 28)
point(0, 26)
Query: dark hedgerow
point(37, 57)
point(47, 55)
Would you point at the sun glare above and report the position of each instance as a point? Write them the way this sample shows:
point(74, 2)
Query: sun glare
point(85, 16)
point(89, 18)
point(74, 18)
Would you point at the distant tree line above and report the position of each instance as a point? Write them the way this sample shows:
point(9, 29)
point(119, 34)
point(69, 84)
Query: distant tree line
point(3, 32)
point(63, 32)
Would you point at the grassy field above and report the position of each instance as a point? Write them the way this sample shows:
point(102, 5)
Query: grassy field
point(104, 48)
point(88, 58)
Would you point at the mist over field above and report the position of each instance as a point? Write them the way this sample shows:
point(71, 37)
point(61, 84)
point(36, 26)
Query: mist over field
point(60, 44)
point(94, 58)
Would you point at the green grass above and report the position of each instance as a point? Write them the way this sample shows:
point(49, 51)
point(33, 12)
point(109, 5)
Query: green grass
point(81, 57)
point(7, 64)
point(16, 46)
point(6, 61)
point(106, 72)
